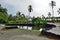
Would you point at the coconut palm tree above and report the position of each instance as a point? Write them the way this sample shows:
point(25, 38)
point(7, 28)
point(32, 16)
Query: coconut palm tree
point(58, 11)
point(18, 14)
point(23, 15)
point(10, 17)
point(30, 10)
point(52, 4)
point(43, 17)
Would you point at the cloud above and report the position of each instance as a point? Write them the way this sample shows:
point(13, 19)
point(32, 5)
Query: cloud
point(39, 6)
point(19, 5)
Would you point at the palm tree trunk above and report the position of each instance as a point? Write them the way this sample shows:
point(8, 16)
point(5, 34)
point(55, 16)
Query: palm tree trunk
point(28, 19)
point(52, 14)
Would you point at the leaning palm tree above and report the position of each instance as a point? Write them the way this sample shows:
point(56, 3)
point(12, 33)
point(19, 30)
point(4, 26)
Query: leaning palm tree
point(52, 4)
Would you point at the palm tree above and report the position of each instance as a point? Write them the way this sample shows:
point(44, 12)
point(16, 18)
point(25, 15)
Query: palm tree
point(49, 15)
point(33, 19)
point(10, 17)
point(58, 11)
point(43, 17)
point(18, 14)
point(52, 4)
point(23, 15)
point(30, 10)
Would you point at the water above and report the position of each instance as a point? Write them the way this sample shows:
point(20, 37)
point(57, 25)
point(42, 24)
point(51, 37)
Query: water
point(55, 30)
point(25, 27)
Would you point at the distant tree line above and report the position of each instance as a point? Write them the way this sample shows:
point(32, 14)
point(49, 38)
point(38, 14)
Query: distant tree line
point(19, 17)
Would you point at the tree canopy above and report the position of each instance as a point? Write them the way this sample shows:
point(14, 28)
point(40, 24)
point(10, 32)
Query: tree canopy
point(3, 14)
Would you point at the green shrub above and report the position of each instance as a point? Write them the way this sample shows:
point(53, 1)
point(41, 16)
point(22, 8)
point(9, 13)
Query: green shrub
point(11, 22)
point(35, 28)
point(39, 21)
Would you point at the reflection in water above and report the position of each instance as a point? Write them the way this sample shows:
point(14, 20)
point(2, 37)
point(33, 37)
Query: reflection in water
point(25, 27)
point(29, 28)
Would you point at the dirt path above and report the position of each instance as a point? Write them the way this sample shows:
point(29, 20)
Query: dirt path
point(27, 37)
point(17, 34)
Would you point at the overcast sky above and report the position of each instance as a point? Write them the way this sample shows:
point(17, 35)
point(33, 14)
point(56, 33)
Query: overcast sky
point(39, 6)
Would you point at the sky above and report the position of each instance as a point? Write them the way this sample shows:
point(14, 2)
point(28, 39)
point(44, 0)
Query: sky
point(40, 7)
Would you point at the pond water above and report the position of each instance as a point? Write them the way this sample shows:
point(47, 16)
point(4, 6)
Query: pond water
point(55, 30)
point(25, 27)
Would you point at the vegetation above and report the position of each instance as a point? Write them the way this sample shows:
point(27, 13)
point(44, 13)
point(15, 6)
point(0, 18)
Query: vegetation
point(3, 15)
point(30, 9)
point(38, 21)
point(58, 11)
point(20, 18)
point(52, 4)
